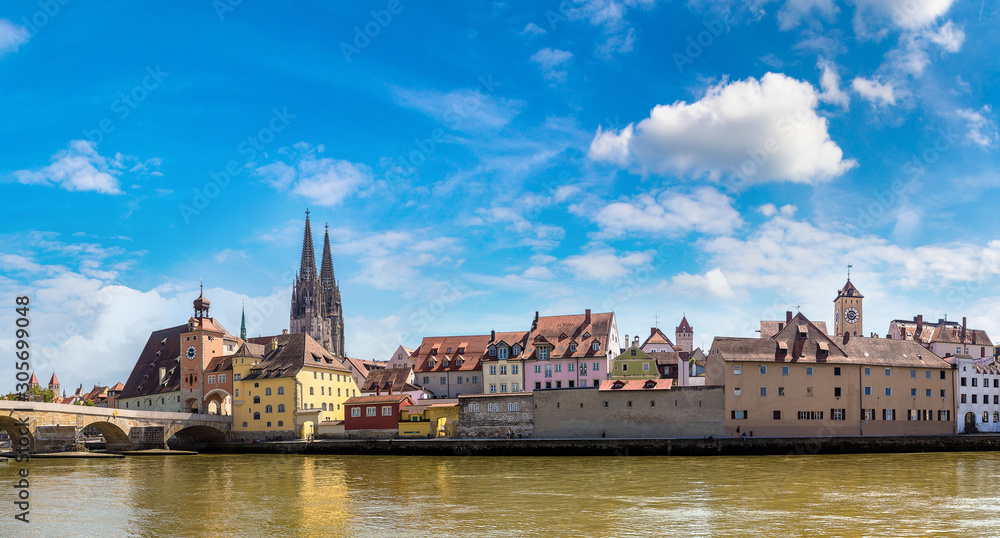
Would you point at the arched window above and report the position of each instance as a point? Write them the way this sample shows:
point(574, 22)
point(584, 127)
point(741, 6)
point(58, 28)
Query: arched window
point(996, 416)
point(281, 390)
point(324, 406)
point(267, 391)
point(256, 415)
point(256, 399)
point(268, 409)
point(310, 391)
point(986, 417)
point(281, 408)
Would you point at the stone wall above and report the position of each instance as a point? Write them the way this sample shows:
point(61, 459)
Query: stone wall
point(56, 439)
point(588, 412)
point(498, 421)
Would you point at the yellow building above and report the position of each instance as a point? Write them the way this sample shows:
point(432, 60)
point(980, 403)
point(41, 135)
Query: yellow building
point(428, 420)
point(284, 385)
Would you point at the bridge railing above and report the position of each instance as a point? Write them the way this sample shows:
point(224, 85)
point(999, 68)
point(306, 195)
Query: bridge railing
point(29, 407)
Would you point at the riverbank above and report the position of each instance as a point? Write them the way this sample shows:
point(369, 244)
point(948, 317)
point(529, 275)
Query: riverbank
point(616, 447)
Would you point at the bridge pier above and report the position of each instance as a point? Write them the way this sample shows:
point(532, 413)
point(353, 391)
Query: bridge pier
point(147, 437)
point(55, 439)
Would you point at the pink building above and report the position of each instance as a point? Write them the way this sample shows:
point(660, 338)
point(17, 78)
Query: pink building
point(570, 351)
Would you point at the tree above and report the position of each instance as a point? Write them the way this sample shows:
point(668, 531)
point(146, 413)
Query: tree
point(45, 395)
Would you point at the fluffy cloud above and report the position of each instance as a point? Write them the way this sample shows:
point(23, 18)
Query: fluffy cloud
point(713, 282)
point(553, 63)
point(533, 234)
point(12, 36)
point(81, 168)
point(830, 82)
point(391, 260)
point(705, 210)
point(871, 16)
point(464, 109)
point(875, 92)
point(982, 129)
point(759, 131)
point(533, 29)
point(794, 11)
point(323, 180)
point(606, 264)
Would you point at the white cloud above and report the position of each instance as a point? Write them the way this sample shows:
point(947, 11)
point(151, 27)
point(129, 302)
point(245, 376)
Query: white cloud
point(617, 44)
point(982, 128)
point(463, 109)
point(320, 179)
point(606, 264)
point(757, 131)
point(714, 282)
point(874, 91)
point(81, 168)
point(768, 210)
point(705, 210)
point(948, 36)
point(830, 82)
point(392, 260)
point(12, 36)
point(533, 234)
point(794, 11)
point(872, 16)
point(533, 29)
point(553, 63)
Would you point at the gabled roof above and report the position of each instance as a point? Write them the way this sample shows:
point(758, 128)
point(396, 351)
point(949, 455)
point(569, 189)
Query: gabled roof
point(162, 350)
point(684, 326)
point(383, 398)
point(118, 387)
point(664, 358)
point(576, 328)
point(34, 379)
point(53, 380)
point(473, 348)
point(385, 379)
point(657, 337)
point(849, 291)
point(293, 352)
point(220, 364)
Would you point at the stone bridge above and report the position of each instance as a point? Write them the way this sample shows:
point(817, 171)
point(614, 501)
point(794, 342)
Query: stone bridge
point(59, 427)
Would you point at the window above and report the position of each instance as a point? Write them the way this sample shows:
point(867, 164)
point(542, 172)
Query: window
point(502, 353)
point(237, 394)
point(514, 387)
point(597, 367)
point(961, 382)
point(386, 410)
point(493, 388)
point(868, 391)
point(268, 409)
point(927, 393)
point(868, 370)
point(211, 379)
point(986, 417)
point(836, 392)
point(513, 369)
point(943, 392)
point(558, 367)
point(256, 415)
point(927, 374)
point(888, 391)
point(763, 370)
point(503, 387)
point(281, 408)
point(281, 423)
point(596, 346)
point(444, 380)
point(473, 408)
point(370, 411)
point(572, 348)
point(913, 374)
point(974, 381)
point(763, 391)
point(962, 399)
point(777, 415)
point(538, 385)
point(809, 391)
point(543, 353)
point(809, 370)
point(281, 390)
point(459, 380)
point(996, 417)
point(503, 370)
point(569, 367)
point(888, 372)
point(869, 414)
point(836, 371)
point(512, 406)
point(974, 398)
point(913, 392)
point(784, 370)
point(494, 407)
point(267, 391)
point(475, 379)
point(314, 375)
point(944, 415)
point(737, 391)
point(558, 384)
point(837, 414)
point(781, 391)
point(311, 391)
point(548, 370)
point(737, 369)
point(633, 352)
point(605, 405)
point(942, 374)
point(739, 415)
point(355, 411)
point(516, 351)
point(244, 424)
point(625, 367)
point(236, 377)
point(493, 370)
point(256, 399)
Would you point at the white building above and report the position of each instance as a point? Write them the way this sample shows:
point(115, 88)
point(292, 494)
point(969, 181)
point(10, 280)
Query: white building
point(977, 384)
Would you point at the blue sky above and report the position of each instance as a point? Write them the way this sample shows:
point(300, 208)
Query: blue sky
point(479, 161)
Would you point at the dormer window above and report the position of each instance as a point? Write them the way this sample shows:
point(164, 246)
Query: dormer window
point(516, 351)
point(586, 334)
point(563, 335)
point(502, 353)
point(572, 348)
point(633, 352)
point(431, 363)
point(444, 363)
point(434, 351)
point(543, 353)
point(461, 350)
point(493, 351)
point(596, 346)
point(449, 350)
point(458, 362)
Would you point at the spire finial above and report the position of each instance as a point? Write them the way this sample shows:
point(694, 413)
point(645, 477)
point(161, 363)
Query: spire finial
point(201, 287)
point(849, 266)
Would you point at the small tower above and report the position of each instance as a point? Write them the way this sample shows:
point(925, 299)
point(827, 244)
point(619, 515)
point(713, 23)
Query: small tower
point(847, 310)
point(33, 382)
point(54, 384)
point(684, 335)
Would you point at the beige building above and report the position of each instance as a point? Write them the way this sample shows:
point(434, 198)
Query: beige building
point(803, 383)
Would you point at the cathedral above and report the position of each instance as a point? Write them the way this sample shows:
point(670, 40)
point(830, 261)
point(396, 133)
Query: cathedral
point(316, 307)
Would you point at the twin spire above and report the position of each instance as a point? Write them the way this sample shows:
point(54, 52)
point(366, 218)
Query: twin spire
point(307, 269)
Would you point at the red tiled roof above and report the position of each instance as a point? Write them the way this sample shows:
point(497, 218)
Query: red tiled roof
point(684, 327)
point(577, 330)
point(383, 398)
point(656, 336)
point(636, 384)
point(33, 380)
point(473, 349)
point(53, 380)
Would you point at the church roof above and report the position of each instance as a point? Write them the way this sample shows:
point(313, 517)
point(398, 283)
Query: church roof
point(53, 380)
point(34, 379)
point(162, 350)
point(307, 268)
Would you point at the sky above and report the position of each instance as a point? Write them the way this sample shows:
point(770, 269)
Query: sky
point(479, 161)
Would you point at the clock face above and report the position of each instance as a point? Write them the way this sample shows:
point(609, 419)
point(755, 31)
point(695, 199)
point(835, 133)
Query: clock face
point(191, 352)
point(851, 315)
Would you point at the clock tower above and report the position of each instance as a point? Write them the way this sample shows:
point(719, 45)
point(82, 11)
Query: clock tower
point(847, 310)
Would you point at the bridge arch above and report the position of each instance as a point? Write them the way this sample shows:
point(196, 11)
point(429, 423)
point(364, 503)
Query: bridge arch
point(116, 438)
point(13, 428)
point(218, 402)
point(194, 435)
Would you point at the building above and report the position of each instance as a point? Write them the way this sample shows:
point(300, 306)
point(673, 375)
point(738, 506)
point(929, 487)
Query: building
point(54, 384)
point(570, 351)
point(944, 338)
point(361, 369)
point(400, 358)
point(977, 383)
point(429, 419)
point(369, 414)
point(803, 383)
point(317, 309)
point(630, 409)
point(684, 336)
point(635, 363)
point(285, 386)
point(656, 342)
point(690, 370)
point(219, 384)
point(496, 416)
point(848, 311)
point(770, 328)
point(204, 340)
point(450, 366)
point(394, 381)
point(503, 363)
point(155, 381)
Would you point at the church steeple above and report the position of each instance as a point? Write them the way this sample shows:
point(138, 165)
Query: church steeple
point(243, 323)
point(326, 266)
point(307, 269)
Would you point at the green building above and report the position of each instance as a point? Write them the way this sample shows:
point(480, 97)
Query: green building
point(634, 363)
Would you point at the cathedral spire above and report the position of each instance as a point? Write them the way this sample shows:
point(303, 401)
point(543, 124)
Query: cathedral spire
point(243, 323)
point(307, 269)
point(326, 275)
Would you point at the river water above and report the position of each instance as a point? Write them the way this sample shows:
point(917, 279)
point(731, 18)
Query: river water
point(947, 494)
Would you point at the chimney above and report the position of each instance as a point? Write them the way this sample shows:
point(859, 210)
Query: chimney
point(493, 335)
point(535, 322)
point(390, 388)
point(284, 331)
point(626, 339)
point(636, 341)
point(920, 326)
point(847, 337)
point(788, 316)
point(587, 318)
point(963, 329)
point(378, 389)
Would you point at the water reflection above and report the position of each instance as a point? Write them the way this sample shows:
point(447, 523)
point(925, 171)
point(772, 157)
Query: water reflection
point(240, 495)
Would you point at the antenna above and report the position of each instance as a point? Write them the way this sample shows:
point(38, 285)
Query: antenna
point(656, 320)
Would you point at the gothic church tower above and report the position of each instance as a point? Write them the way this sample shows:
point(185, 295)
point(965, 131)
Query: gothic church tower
point(316, 307)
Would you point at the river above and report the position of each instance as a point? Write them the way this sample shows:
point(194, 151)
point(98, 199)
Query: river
point(949, 494)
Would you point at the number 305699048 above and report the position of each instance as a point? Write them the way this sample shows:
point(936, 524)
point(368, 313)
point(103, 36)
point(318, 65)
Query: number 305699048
point(22, 354)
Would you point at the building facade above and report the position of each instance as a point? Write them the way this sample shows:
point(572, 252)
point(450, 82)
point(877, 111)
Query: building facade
point(381, 412)
point(496, 416)
point(570, 351)
point(449, 366)
point(977, 382)
point(503, 362)
point(317, 309)
point(635, 363)
point(204, 340)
